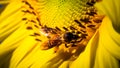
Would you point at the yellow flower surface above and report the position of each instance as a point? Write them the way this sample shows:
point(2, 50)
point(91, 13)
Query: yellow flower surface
point(59, 34)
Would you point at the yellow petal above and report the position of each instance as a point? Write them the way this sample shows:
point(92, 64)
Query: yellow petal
point(9, 21)
point(28, 54)
point(107, 54)
point(111, 8)
point(10, 37)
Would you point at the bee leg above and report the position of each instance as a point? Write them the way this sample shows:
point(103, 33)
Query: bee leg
point(56, 49)
point(66, 46)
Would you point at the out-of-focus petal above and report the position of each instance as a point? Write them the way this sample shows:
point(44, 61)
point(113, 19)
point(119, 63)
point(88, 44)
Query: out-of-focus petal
point(3, 4)
point(107, 54)
point(10, 20)
point(109, 34)
point(12, 32)
point(111, 8)
point(27, 54)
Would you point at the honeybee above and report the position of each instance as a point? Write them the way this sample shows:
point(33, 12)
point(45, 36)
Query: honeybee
point(69, 39)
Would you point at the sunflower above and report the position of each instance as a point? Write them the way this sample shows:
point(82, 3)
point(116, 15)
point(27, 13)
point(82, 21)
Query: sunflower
point(59, 34)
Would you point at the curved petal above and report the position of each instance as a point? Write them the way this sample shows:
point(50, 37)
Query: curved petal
point(12, 32)
point(111, 8)
point(28, 53)
point(107, 54)
point(10, 19)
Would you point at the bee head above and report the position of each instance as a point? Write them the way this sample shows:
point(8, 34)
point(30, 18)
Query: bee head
point(69, 36)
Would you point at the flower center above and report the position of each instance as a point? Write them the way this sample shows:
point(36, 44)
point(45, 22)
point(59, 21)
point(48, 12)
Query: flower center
point(65, 23)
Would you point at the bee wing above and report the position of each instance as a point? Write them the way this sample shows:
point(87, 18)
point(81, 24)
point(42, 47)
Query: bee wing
point(45, 45)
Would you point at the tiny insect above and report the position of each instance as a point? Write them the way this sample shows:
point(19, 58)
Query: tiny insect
point(69, 39)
